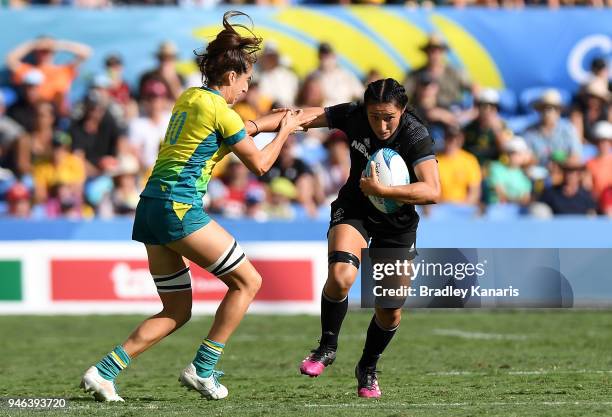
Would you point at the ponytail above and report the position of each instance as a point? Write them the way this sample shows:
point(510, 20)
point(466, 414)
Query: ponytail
point(229, 51)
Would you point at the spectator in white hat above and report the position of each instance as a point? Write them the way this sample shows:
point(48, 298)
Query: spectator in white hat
point(10, 133)
point(165, 71)
point(277, 82)
point(591, 105)
point(453, 82)
point(552, 134)
point(24, 109)
point(146, 133)
point(508, 183)
point(339, 85)
point(600, 167)
point(570, 197)
point(125, 194)
point(486, 135)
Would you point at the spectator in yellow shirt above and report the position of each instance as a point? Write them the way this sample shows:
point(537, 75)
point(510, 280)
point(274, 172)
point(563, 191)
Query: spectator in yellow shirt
point(63, 168)
point(460, 174)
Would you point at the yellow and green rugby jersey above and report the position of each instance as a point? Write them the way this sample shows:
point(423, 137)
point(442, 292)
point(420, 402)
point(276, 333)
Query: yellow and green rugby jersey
point(199, 134)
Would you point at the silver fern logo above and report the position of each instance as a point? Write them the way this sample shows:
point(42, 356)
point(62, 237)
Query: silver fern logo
point(338, 214)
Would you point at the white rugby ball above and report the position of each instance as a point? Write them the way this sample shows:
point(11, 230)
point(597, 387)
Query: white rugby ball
point(391, 170)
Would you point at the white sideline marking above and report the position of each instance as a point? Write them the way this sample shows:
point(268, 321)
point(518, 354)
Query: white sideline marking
point(478, 335)
point(375, 405)
point(287, 338)
point(561, 371)
point(470, 404)
point(503, 372)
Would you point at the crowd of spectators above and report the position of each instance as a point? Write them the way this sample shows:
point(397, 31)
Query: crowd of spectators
point(553, 4)
point(92, 157)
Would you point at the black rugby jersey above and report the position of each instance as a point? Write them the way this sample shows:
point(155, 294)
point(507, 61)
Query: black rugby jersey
point(411, 141)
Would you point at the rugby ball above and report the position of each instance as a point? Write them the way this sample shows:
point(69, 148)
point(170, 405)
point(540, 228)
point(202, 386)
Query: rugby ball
point(391, 170)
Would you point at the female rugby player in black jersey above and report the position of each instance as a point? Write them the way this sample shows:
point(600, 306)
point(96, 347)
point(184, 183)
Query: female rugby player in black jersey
point(383, 120)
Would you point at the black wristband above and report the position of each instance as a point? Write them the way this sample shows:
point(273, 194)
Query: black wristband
point(256, 127)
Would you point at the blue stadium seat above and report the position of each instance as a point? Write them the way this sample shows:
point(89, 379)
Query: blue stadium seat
point(502, 211)
point(299, 211)
point(452, 211)
point(311, 152)
point(508, 103)
point(589, 151)
point(518, 124)
point(9, 95)
point(323, 212)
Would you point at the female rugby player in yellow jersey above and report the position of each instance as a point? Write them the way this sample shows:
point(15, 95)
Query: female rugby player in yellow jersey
point(172, 224)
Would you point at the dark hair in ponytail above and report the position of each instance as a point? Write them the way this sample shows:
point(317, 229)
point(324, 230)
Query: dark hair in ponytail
point(229, 51)
point(385, 91)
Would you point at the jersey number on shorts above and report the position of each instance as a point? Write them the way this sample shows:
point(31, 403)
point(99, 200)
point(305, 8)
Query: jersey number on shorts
point(177, 121)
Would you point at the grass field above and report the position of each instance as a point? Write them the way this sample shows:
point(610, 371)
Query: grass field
point(441, 363)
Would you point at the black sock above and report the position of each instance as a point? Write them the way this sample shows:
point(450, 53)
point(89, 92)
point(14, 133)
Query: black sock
point(332, 315)
point(377, 340)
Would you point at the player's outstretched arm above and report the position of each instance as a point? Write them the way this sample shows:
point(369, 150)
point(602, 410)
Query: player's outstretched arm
point(271, 121)
point(426, 191)
point(260, 161)
point(319, 119)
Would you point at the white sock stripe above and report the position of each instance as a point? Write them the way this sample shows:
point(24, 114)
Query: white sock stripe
point(183, 281)
point(222, 257)
point(331, 300)
point(381, 327)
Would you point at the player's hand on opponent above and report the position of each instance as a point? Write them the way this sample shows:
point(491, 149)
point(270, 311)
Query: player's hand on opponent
point(304, 119)
point(371, 185)
point(294, 119)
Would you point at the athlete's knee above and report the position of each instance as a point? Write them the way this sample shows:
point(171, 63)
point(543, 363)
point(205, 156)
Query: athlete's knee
point(178, 310)
point(227, 269)
point(251, 283)
point(184, 317)
point(180, 314)
point(341, 278)
point(175, 293)
point(389, 318)
point(343, 267)
point(247, 283)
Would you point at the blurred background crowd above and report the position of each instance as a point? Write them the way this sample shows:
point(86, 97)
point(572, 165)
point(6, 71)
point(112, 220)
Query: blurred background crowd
point(539, 152)
point(211, 3)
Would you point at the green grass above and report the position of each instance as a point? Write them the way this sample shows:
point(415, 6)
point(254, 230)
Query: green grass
point(441, 363)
